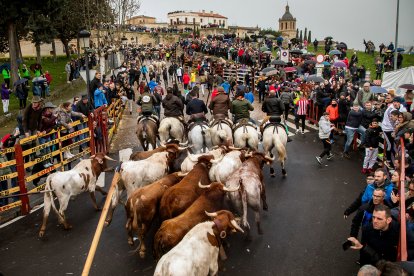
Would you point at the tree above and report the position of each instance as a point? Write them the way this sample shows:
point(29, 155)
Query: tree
point(270, 32)
point(15, 15)
point(123, 9)
point(310, 36)
point(306, 34)
point(297, 33)
point(300, 36)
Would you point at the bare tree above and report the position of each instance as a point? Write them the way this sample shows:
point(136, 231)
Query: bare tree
point(123, 9)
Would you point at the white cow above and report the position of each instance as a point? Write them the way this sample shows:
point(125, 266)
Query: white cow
point(223, 168)
point(70, 183)
point(192, 159)
point(197, 253)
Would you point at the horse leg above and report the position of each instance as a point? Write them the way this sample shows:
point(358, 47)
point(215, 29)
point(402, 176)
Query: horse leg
point(284, 173)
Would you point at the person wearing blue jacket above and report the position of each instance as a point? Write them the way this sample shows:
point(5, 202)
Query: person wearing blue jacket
point(99, 98)
point(248, 95)
point(382, 182)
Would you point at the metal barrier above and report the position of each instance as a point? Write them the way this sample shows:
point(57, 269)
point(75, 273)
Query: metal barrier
point(402, 247)
point(92, 134)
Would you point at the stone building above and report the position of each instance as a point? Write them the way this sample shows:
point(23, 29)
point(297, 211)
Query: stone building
point(203, 19)
point(140, 20)
point(287, 24)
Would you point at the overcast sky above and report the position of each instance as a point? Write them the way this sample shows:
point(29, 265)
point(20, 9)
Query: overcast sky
point(346, 20)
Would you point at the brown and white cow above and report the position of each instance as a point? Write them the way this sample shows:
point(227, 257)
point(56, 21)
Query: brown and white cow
point(136, 174)
point(252, 189)
point(178, 198)
point(173, 230)
point(142, 206)
point(192, 159)
point(141, 155)
point(66, 184)
point(197, 253)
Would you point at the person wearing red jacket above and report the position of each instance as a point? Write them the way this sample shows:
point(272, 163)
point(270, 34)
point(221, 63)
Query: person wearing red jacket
point(186, 80)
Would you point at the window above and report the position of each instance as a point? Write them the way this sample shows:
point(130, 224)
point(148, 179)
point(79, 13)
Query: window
point(193, 20)
point(201, 20)
point(214, 21)
point(171, 21)
point(186, 20)
point(219, 22)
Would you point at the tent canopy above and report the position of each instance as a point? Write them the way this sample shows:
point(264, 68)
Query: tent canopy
point(396, 78)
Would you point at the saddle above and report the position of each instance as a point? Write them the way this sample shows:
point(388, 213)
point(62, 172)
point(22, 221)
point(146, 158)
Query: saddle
point(243, 123)
point(152, 118)
point(219, 121)
point(192, 124)
point(269, 124)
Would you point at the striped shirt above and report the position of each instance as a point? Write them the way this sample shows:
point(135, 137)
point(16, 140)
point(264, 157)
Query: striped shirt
point(302, 107)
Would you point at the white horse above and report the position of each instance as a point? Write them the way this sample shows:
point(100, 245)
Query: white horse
point(246, 136)
point(199, 137)
point(171, 128)
point(275, 137)
point(221, 133)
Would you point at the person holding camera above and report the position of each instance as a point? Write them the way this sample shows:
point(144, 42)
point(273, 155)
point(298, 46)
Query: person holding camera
point(379, 239)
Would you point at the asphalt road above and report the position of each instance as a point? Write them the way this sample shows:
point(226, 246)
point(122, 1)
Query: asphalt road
point(303, 229)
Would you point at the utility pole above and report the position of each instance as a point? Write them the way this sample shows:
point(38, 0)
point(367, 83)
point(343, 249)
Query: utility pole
point(396, 37)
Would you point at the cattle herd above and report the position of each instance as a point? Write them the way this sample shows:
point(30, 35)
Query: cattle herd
point(189, 198)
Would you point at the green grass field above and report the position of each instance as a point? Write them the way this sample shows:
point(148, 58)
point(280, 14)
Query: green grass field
point(56, 69)
point(368, 60)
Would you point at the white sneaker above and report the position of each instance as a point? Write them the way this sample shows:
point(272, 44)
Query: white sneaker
point(68, 155)
point(319, 159)
point(303, 132)
point(297, 131)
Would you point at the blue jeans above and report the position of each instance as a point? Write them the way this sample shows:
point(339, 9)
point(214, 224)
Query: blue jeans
point(361, 130)
point(349, 138)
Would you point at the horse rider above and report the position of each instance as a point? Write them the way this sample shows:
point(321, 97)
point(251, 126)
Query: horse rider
point(196, 108)
point(146, 102)
point(220, 105)
point(240, 108)
point(274, 109)
point(173, 106)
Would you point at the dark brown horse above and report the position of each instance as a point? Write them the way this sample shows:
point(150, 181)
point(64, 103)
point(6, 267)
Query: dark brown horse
point(147, 132)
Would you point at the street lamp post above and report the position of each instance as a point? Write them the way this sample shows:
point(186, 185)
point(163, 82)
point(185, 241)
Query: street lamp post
point(396, 36)
point(84, 37)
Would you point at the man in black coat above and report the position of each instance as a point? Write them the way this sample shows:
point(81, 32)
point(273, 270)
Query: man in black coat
point(94, 83)
point(379, 238)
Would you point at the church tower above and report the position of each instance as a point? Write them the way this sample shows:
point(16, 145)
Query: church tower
point(287, 24)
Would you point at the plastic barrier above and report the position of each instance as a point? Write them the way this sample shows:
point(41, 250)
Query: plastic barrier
point(31, 154)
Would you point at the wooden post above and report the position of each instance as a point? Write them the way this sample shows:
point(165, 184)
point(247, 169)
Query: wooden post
point(101, 223)
point(18, 153)
point(91, 134)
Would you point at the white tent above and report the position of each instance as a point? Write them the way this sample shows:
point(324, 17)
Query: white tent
point(399, 77)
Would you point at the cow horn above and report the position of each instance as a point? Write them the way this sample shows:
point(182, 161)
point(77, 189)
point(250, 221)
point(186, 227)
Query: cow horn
point(92, 156)
point(269, 158)
point(215, 147)
point(181, 174)
point(233, 148)
point(191, 156)
point(249, 154)
point(109, 158)
point(184, 148)
point(215, 161)
point(203, 186)
point(236, 226)
point(183, 144)
point(231, 189)
point(211, 215)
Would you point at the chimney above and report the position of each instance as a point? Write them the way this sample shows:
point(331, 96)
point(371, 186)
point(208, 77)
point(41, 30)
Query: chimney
point(211, 12)
point(203, 11)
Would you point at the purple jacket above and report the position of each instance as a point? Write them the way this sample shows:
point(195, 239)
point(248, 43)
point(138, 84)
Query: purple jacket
point(5, 92)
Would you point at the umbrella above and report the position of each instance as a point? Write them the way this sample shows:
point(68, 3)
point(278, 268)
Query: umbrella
point(388, 51)
point(315, 78)
point(399, 50)
point(308, 54)
point(38, 79)
point(272, 73)
point(270, 36)
point(328, 37)
point(267, 69)
point(279, 39)
point(278, 62)
point(407, 86)
point(309, 61)
point(264, 48)
point(267, 52)
point(20, 81)
point(290, 69)
point(335, 52)
point(296, 52)
point(339, 64)
point(5, 65)
point(378, 90)
point(325, 63)
point(342, 45)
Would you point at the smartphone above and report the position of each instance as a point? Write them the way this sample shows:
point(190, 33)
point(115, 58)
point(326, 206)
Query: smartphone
point(346, 245)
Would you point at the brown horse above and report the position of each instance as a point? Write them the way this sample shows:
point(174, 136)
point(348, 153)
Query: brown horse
point(147, 132)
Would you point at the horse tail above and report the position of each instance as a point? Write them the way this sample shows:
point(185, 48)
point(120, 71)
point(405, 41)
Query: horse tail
point(280, 147)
